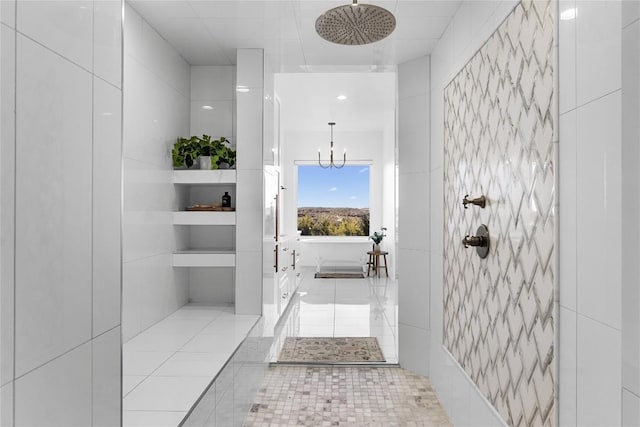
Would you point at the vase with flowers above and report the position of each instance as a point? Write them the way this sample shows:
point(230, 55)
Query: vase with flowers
point(377, 238)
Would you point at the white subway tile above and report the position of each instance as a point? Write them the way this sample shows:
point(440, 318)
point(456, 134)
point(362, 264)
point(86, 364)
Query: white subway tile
point(598, 50)
point(630, 11)
point(212, 82)
point(413, 349)
point(598, 374)
point(413, 295)
point(567, 56)
point(414, 211)
point(249, 137)
point(630, 409)
point(248, 210)
point(53, 221)
point(599, 204)
point(248, 282)
point(8, 13)
point(107, 379)
point(58, 393)
point(568, 210)
point(66, 27)
point(250, 68)
point(413, 77)
point(567, 367)
point(212, 117)
point(107, 40)
point(107, 160)
point(6, 404)
point(413, 134)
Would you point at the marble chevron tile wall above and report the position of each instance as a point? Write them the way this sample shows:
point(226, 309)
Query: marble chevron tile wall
point(499, 131)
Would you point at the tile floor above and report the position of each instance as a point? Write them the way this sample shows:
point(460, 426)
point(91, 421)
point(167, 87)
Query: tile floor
point(168, 366)
point(345, 396)
point(345, 308)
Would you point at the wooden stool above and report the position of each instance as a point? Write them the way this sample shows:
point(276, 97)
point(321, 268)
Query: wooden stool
point(374, 261)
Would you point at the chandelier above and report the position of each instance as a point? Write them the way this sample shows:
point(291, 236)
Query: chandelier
point(331, 163)
point(355, 24)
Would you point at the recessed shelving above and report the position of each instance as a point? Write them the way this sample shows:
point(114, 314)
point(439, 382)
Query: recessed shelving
point(204, 258)
point(208, 177)
point(204, 218)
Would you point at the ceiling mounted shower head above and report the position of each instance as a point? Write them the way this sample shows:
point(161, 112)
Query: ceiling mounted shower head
point(355, 24)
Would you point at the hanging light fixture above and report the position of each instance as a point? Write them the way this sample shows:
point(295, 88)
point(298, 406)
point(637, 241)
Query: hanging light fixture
point(355, 24)
point(331, 163)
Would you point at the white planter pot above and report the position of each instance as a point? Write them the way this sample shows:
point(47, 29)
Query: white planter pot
point(204, 162)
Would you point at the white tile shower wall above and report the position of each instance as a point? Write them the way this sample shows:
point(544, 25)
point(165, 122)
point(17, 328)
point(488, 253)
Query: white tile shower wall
point(462, 38)
point(630, 212)
point(413, 230)
point(593, 176)
point(250, 75)
point(66, 108)
point(156, 112)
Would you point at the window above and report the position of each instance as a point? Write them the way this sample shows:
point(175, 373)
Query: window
point(333, 202)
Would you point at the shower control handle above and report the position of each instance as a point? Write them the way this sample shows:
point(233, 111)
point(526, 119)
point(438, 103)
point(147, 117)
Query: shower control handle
point(480, 241)
point(478, 201)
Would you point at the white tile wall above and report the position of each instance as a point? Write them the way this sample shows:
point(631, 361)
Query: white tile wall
point(250, 73)
point(54, 202)
point(107, 379)
point(413, 212)
point(62, 389)
point(567, 228)
point(598, 47)
point(599, 201)
point(598, 374)
point(65, 154)
point(107, 168)
point(630, 409)
point(156, 111)
point(7, 201)
point(567, 367)
point(64, 27)
point(630, 205)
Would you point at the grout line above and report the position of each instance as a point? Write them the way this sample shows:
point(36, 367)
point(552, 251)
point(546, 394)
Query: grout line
point(15, 191)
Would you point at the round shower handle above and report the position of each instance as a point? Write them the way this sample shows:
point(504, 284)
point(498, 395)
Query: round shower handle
point(480, 241)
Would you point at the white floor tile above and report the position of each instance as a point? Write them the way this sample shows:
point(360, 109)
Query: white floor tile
point(152, 418)
point(157, 342)
point(143, 362)
point(217, 344)
point(183, 364)
point(166, 394)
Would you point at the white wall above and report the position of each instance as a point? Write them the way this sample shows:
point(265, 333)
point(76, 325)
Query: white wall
point(470, 28)
point(590, 185)
point(212, 86)
point(60, 217)
point(414, 214)
point(630, 213)
point(156, 112)
point(249, 184)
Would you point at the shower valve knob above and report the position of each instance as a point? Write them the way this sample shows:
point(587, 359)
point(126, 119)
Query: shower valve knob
point(479, 201)
point(480, 241)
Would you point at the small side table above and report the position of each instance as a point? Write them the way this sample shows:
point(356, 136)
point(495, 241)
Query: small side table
point(374, 261)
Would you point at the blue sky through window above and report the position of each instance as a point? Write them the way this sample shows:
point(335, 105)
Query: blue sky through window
point(333, 188)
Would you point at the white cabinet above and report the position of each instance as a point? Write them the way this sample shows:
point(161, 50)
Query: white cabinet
point(289, 273)
point(205, 238)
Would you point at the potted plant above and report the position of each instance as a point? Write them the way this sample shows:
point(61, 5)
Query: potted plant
point(208, 153)
point(377, 238)
point(185, 152)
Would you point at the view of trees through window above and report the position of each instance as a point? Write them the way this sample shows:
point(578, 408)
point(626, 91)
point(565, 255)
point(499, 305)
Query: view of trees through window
point(333, 202)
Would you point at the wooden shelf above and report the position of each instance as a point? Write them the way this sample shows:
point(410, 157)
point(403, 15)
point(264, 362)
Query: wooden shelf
point(204, 218)
point(204, 258)
point(195, 176)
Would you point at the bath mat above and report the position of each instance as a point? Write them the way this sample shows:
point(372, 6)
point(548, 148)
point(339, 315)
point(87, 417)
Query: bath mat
point(339, 276)
point(331, 350)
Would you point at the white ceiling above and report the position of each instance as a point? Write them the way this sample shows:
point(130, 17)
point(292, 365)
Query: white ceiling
point(207, 32)
point(308, 101)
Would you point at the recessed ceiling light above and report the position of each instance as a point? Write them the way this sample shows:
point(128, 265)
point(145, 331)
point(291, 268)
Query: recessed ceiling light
point(569, 14)
point(242, 89)
point(341, 97)
point(207, 107)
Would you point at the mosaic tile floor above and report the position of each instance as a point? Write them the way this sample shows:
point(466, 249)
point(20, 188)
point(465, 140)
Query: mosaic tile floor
point(345, 396)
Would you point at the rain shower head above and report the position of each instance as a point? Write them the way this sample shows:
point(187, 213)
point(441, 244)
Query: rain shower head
point(355, 24)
